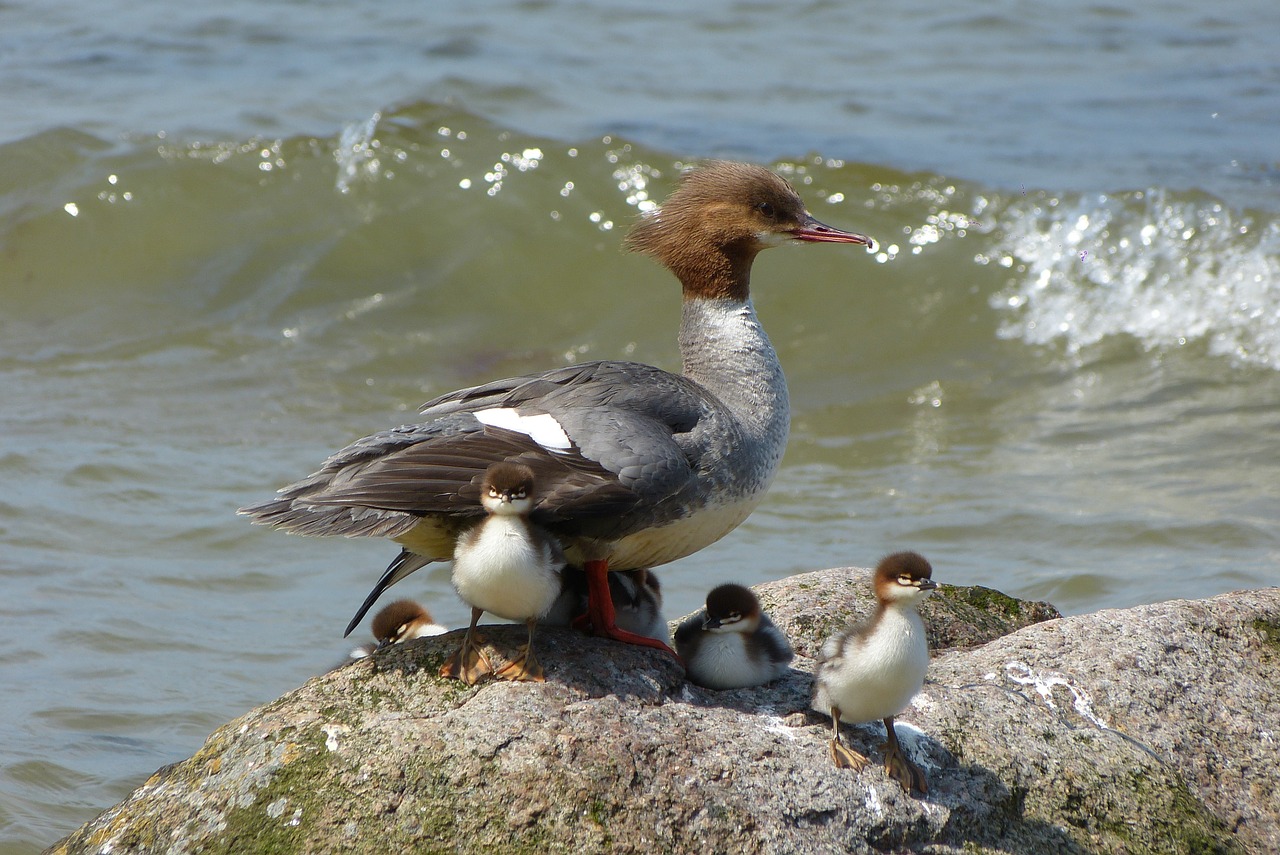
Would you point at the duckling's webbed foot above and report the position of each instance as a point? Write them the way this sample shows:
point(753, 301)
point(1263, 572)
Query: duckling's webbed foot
point(846, 758)
point(842, 755)
point(469, 663)
point(899, 766)
point(906, 773)
point(524, 667)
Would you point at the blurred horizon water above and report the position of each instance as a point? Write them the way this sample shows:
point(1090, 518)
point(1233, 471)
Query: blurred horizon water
point(235, 240)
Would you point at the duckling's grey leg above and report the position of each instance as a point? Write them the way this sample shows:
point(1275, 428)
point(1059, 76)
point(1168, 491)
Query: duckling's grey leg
point(843, 756)
point(468, 664)
point(899, 767)
point(525, 666)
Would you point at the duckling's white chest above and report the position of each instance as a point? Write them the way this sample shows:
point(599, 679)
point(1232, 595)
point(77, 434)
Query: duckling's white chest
point(876, 676)
point(502, 567)
point(722, 661)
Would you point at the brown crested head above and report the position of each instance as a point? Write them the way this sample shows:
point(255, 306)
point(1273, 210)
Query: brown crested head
point(728, 605)
point(903, 576)
point(507, 479)
point(391, 624)
point(710, 229)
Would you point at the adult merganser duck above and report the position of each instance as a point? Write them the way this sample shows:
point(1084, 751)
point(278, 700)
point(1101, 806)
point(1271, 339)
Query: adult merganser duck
point(637, 602)
point(638, 466)
point(731, 643)
point(505, 565)
point(873, 669)
point(403, 620)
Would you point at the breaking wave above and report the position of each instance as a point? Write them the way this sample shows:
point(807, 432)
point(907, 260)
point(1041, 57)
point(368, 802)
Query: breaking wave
point(1166, 269)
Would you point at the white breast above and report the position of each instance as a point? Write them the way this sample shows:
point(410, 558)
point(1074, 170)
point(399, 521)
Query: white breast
point(877, 678)
point(498, 567)
point(656, 546)
point(721, 661)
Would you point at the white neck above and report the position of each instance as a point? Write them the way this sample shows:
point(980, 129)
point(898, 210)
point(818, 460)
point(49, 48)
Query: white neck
point(725, 349)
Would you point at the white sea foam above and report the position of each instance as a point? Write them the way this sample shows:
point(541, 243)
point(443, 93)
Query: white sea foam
point(357, 153)
point(1165, 268)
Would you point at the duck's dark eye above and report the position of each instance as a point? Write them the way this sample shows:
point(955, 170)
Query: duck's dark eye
point(766, 208)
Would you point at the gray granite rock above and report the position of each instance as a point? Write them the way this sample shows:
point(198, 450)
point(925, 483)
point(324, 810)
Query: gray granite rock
point(1152, 729)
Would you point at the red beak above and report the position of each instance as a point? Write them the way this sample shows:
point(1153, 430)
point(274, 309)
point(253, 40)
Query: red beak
point(812, 231)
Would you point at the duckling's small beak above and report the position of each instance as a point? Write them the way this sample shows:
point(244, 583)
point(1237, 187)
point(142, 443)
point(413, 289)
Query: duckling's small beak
point(812, 231)
point(384, 643)
point(927, 584)
point(711, 623)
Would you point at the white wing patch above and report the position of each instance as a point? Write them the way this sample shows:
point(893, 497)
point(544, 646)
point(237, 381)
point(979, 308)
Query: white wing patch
point(542, 428)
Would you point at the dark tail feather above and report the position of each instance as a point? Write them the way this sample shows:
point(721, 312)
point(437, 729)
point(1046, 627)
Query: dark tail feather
point(404, 564)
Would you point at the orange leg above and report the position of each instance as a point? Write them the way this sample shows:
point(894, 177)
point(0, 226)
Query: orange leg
point(600, 613)
point(842, 755)
point(468, 664)
point(525, 666)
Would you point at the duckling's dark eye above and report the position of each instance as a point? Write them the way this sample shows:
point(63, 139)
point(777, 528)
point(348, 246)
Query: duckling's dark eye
point(766, 208)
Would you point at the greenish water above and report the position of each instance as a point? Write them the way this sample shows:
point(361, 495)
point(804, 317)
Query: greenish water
point(1060, 379)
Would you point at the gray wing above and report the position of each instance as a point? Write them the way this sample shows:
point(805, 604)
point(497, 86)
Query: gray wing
point(777, 648)
point(632, 430)
point(665, 416)
point(688, 633)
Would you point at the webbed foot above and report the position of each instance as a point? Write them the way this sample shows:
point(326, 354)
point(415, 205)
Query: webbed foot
point(846, 758)
point(842, 755)
point(524, 668)
point(899, 766)
point(468, 664)
point(601, 618)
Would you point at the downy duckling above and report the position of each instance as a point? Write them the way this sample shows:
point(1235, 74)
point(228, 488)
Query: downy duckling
point(402, 620)
point(508, 566)
point(873, 669)
point(732, 643)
